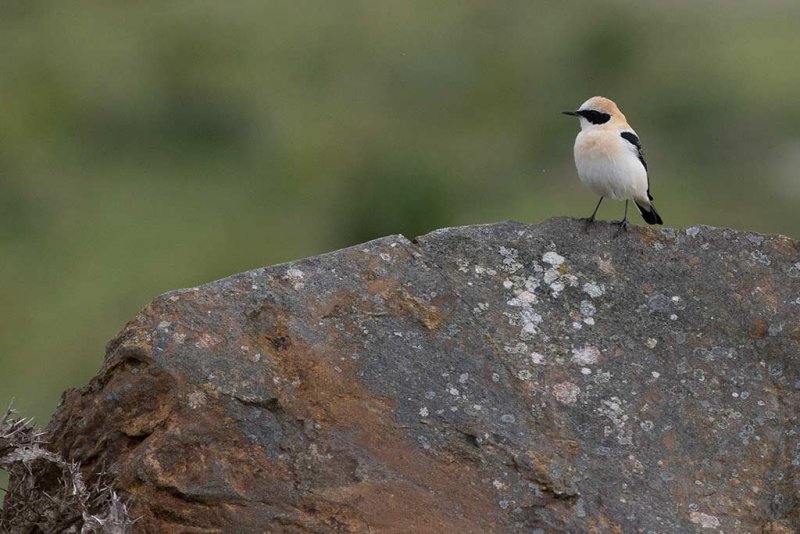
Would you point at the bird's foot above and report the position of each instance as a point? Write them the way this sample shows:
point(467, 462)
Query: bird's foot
point(588, 221)
point(623, 225)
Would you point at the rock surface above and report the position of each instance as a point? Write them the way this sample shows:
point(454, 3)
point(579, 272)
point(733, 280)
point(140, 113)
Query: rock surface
point(497, 378)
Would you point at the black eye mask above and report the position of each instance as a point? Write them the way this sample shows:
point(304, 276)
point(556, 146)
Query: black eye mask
point(595, 117)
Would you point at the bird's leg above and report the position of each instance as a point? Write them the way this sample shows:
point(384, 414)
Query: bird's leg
point(590, 219)
point(623, 224)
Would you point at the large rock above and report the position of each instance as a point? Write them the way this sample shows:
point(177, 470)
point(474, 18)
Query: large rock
point(497, 378)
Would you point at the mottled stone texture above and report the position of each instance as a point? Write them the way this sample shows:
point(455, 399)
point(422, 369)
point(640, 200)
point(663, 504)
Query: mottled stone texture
point(498, 378)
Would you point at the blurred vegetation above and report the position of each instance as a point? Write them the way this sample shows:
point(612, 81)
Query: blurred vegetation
point(149, 146)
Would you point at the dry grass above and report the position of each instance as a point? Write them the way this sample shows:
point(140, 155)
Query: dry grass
point(48, 493)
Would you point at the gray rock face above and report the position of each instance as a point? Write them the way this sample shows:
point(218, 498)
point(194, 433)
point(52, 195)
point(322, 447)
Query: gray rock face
point(498, 378)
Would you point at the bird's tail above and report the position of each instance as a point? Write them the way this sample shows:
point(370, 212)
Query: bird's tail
point(649, 213)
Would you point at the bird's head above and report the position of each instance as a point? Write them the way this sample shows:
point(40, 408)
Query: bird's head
point(597, 111)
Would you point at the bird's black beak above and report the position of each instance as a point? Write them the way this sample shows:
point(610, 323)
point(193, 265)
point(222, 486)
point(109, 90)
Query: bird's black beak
point(573, 113)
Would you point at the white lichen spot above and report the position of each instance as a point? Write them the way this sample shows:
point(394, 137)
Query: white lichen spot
point(613, 410)
point(593, 290)
point(537, 358)
point(196, 399)
point(589, 320)
point(453, 391)
point(295, 277)
point(704, 520)
point(255, 358)
point(498, 485)
point(556, 288)
point(655, 374)
point(576, 325)
point(206, 341)
point(484, 270)
point(462, 379)
point(519, 348)
point(587, 308)
point(385, 257)
point(524, 374)
point(313, 453)
point(586, 371)
point(553, 258)
point(423, 411)
point(510, 262)
point(495, 377)
point(673, 317)
point(163, 325)
point(692, 231)
point(508, 418)
point(480, 308)
point(566, 392)
point(647, 425)
point(529, 325)
point(463, 265)
point(759, 257)
point(508, 284)
point(174, 298)
point(651, 343)
point(550, 276)
point(522, 299)
point(179, 338)
point(586, 356)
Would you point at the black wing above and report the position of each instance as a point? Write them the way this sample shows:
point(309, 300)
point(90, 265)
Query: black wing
point(634, 140)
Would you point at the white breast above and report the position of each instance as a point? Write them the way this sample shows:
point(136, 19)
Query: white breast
point(608, 167)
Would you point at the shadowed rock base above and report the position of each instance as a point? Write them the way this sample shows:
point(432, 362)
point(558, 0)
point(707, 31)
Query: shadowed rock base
point(497, 378)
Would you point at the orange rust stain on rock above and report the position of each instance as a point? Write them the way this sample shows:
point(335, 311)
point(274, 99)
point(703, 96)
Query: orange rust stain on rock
point(785, 246)
point(397, 301)
point(167, 484)
point(670, 441)
point(601, 524)
point(429, 315)
point(382, 286)
point(794, 333)
point(693, 261)
point(323, 395)
point(777, 527)
point(759, 329)
point(399, 506)
point(546, 462)
point(647, 288)
point(650, 237)
point(765, 291)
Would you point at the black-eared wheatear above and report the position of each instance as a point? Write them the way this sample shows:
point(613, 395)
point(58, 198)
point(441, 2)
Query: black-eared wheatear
point(610, 159)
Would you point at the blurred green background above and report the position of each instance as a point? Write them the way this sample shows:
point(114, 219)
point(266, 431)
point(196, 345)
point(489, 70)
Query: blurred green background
point(150, 146)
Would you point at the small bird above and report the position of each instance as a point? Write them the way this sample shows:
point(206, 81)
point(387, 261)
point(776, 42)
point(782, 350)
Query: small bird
point(610, 159)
